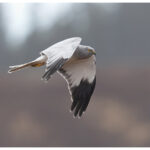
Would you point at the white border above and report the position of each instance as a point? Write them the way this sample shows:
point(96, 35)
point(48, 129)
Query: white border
point(74, 148)
point(74, 1)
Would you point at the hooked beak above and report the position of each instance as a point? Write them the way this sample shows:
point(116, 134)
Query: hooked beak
point(94, 53)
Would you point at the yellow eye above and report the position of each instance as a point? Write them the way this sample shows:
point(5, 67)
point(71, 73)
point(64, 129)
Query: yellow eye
point(89, 50)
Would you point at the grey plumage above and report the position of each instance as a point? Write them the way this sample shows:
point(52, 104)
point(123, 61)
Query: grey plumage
point(76, 63)
point(82, 52)
point(53, 68)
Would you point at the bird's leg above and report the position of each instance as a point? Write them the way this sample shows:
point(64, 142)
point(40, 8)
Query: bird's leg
point(38, 64)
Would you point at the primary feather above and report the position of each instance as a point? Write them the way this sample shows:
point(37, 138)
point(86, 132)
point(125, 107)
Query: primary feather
point(81, 78)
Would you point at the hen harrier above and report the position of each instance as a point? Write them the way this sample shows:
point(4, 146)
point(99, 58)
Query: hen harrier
point(76, 63)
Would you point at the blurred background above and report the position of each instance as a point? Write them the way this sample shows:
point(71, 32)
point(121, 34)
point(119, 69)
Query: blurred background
point(33, 113)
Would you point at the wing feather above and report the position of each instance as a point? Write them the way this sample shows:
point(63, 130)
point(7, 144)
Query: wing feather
point(81, 78)
point(58, 54)
point(51, 69)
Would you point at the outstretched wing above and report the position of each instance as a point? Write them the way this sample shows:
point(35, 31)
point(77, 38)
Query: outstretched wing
point(58, 54)
point(81, 78)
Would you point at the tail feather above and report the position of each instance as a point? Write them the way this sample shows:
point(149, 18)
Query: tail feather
point(36, 63)
point(18, 67)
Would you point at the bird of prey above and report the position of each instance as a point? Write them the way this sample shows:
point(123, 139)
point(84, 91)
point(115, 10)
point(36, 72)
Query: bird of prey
point(76, 63)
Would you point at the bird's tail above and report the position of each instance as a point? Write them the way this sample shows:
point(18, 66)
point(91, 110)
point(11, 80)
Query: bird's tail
point(36, 63)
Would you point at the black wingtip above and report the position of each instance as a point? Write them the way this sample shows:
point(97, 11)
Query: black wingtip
point(78, 111)
point(74, 103)
point(81, 96)
point(78, 115)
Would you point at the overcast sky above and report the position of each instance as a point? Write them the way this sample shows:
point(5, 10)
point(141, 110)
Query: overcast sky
point(18, 17)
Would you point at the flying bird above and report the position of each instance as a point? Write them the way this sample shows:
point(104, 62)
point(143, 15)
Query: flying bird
point(76, 63)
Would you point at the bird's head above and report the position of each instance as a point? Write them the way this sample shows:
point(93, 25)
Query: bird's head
point(84, 52)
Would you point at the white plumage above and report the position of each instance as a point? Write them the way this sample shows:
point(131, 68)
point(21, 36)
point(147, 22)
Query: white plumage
point(81, 69)
point(76, 63)
point(63, 49)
